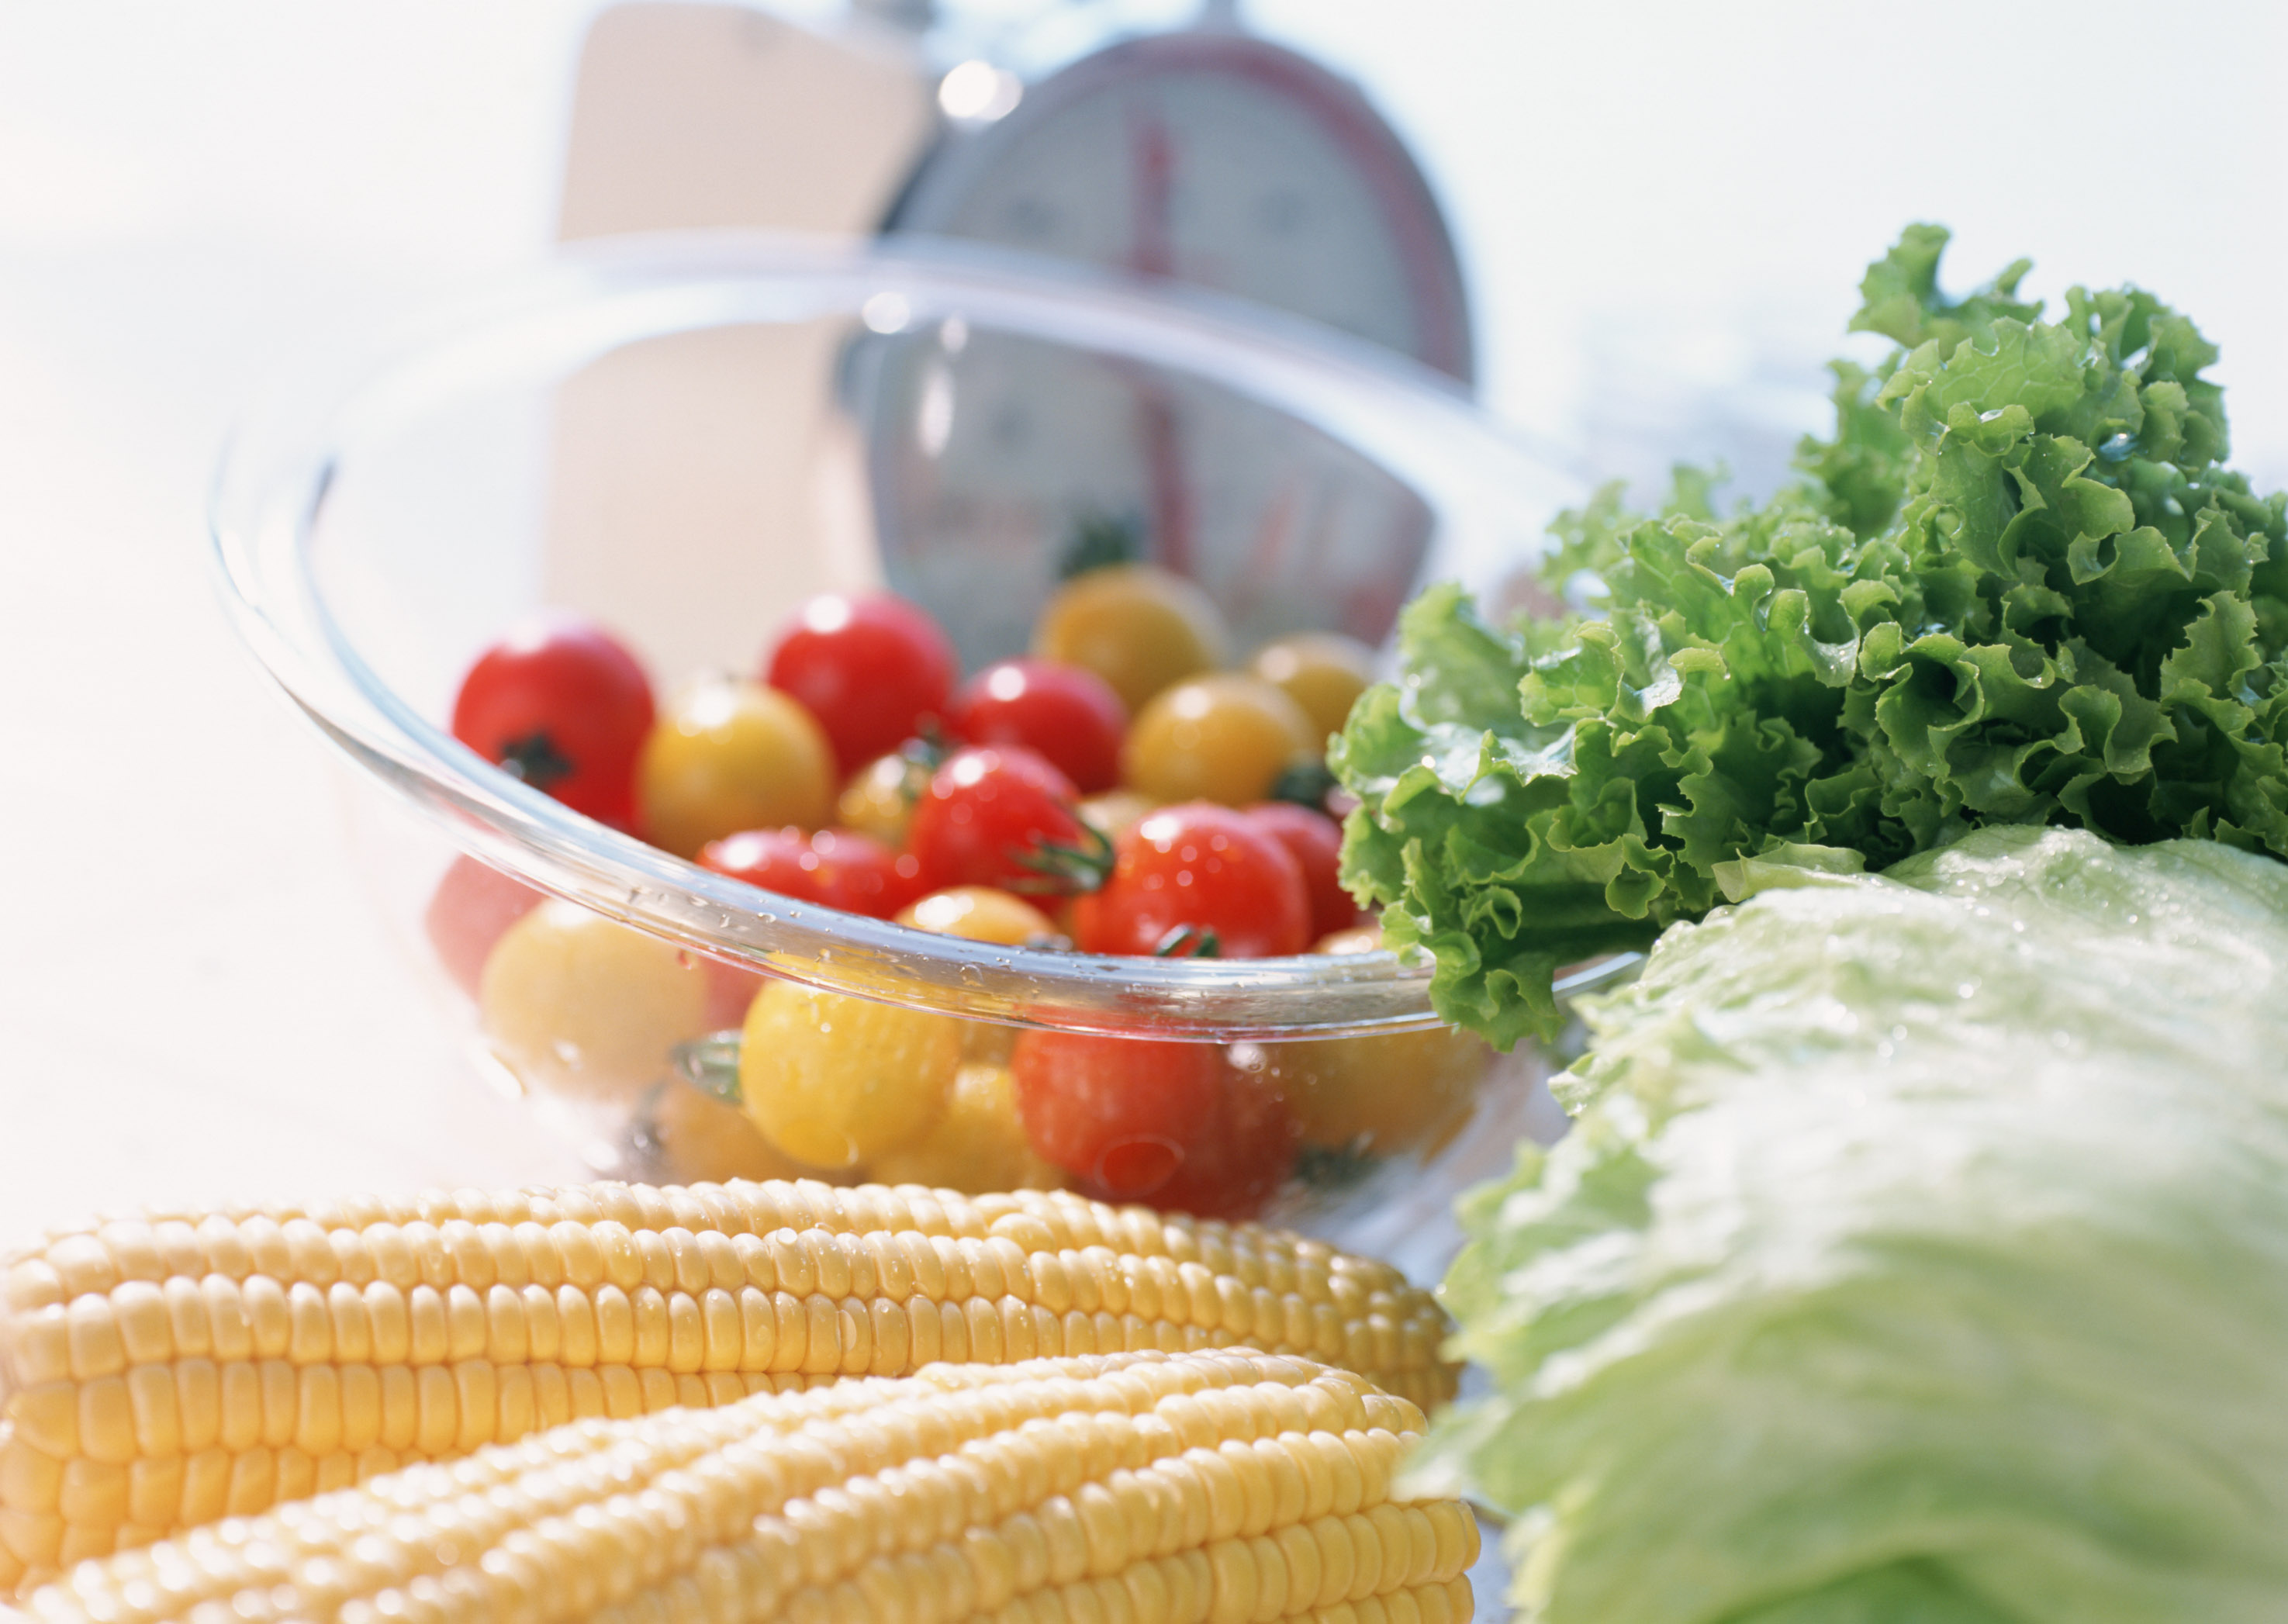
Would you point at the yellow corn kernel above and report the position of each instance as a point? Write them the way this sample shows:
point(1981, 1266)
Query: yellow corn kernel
point(151, 1401)
point(189, 1329)
point(476, 1395)
point(82, 1264)
point(106, 1422)
point(427, 1328)
point(93, 1494)
point(298, 1478)
point(253, 1483)
point(32, 1283)
point(1054, 1488)
point(31, 1542)
point(360, 1408)
point(206, 1489)
point(95, 1347)
point(30, 1480)
point(318, 1411)
point(47, 1418)
point(155, 1492)
point(229, 1330)
point(138, 1308)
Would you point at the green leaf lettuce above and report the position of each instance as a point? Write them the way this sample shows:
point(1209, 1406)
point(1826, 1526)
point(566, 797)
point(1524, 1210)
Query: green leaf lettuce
point(2015, 587)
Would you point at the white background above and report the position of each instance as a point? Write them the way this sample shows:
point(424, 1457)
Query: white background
point(1664, 207)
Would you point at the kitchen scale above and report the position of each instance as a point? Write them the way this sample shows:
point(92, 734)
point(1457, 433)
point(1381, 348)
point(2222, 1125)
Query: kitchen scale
point(1214, 158)
point(965, 468)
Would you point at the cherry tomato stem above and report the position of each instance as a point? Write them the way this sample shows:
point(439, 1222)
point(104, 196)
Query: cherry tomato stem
point(1003, 816)
point(1198, 867)
point(562, 704)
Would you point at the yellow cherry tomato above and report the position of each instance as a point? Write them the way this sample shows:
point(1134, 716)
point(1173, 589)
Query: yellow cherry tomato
point(879, 798)
point(1115, 811)
point(1389, 1093)
point(835, 1080)
point(691, 1137)
point(1322, 672)
point(1137, 627)
point(1401, 1092)
point(978, 1146)
point(986, 1042)
point(729, 754)
point(981, 914)
point(1225, 737)
point(579, 1005)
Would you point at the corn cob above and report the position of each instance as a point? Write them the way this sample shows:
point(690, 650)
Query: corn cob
point(1147, 1488)
point(161, 1373)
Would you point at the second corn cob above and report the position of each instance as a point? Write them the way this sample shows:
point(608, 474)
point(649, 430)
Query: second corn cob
point(163, 1372)
point(1146, 1488)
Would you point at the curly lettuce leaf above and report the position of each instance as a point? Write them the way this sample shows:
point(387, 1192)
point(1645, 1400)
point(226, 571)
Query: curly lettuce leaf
point(1481, 816)
point(2015, 587)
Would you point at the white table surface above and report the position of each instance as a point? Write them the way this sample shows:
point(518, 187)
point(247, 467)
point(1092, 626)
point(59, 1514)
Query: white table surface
point(1664, 208)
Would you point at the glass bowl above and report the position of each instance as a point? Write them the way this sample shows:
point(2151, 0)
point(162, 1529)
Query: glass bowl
point(683, 438)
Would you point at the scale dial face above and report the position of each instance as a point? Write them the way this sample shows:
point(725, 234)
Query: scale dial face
point(1220, 161)
point(1211, 159)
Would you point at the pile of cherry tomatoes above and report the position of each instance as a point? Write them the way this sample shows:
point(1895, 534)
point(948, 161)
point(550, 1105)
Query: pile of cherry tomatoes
point(1119, 791)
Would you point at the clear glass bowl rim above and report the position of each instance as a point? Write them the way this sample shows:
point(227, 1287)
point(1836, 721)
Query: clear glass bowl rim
point(1494, 491)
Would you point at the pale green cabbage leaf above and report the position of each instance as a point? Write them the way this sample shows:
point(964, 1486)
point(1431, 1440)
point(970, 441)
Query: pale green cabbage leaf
point(1919, 1255)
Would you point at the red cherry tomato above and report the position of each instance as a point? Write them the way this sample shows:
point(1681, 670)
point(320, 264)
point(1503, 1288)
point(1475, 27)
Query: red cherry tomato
point(563, 706)
point(1124, 1113)
point(837, 867)
point(1316, 841)
point(1241, 1158)
point(729, 990)
point(1069, 714)
point(472, 906)
point(1189, 872)
point(987, 816)
point(871, 668)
